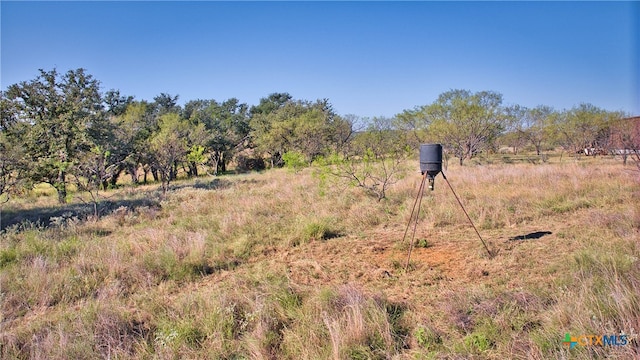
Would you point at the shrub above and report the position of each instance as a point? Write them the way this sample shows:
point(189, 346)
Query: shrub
point(294, 160)
point(8, 256)
point(426, 337)
point(478, 342)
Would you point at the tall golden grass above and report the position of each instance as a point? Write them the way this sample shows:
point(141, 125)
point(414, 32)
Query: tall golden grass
point(281, 265)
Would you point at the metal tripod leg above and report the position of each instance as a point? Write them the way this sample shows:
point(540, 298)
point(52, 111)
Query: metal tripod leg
point(468, 217)
point(418, 201)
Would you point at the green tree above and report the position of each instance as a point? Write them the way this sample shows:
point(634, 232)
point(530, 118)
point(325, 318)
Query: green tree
point(310, 128)
point(195, 157)
point(321, 131)
point(132, 131)
point(105, 133)
point(625, 138)
point(582, 127)
point(344, 130)
point(224, 129)
point(169, 147)
point(116, 104)
point(534, 125)
point(59, 110)
point(263, 118)
point(91, 172)
point(511, 136)
point(196, 113)
point(13, 164)
point(466, 122)
point(415, 122)
point(229, 129)
point(270, 104)
point(165, 103)
point(13, 157)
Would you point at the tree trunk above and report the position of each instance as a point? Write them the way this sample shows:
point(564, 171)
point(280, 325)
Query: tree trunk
point(62, 194)
point(165, 179)
point(223, 164)
point(218, 162)
point(193, 169)
point(164, 185)
point(133, 171)
point(61, 187)
point(113, 180)
point(276, 160)
point(173, 174)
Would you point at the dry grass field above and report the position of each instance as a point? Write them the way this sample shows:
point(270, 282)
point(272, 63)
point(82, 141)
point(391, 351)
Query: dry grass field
point(282, 265)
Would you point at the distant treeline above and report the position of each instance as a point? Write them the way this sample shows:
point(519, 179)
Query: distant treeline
point(61, 129)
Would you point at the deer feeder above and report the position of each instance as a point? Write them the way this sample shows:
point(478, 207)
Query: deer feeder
point(431, 161)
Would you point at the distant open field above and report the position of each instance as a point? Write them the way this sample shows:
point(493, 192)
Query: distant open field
point(287, 265)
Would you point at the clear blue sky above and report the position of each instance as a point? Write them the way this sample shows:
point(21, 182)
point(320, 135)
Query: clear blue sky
point(367, 58)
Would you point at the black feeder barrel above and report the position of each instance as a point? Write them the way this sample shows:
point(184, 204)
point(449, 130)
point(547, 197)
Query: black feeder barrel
point(431, 159)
